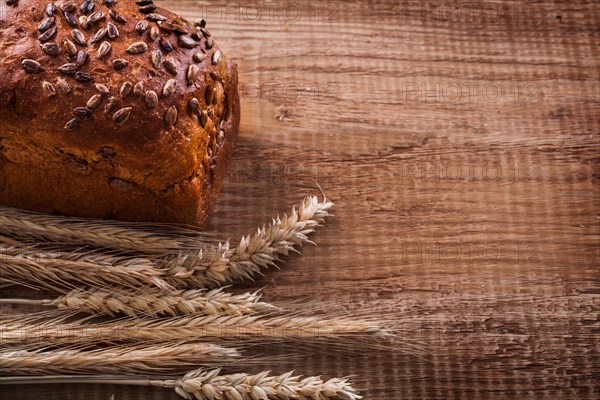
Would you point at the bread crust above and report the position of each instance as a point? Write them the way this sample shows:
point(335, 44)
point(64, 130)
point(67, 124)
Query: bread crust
point(164, 163)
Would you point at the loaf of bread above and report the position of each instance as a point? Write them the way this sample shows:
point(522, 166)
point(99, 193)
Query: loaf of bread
point(113, 109)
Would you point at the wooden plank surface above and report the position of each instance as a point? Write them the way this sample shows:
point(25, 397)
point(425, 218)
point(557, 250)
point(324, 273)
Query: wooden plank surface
point(460, 142)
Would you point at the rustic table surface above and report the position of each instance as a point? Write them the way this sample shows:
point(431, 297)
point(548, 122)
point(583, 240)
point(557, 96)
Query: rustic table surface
point(460, 143)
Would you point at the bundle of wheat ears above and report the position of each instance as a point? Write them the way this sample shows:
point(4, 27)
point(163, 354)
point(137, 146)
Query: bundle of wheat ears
point(137, 305)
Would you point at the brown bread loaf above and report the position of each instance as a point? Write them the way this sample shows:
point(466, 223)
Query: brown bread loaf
point(113, 109)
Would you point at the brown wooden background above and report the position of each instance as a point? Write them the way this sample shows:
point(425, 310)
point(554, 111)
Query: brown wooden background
point(460, 142)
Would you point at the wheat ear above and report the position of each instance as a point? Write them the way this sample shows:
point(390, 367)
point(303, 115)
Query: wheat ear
point(210, 385)
point(19, 266)
point(183, 328)
point(204, 384)
point(116, 359)
point(100, 233)
point(155, 303)
point(254, 252)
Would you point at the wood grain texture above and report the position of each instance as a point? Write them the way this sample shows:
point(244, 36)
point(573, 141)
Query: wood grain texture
point(461, 145)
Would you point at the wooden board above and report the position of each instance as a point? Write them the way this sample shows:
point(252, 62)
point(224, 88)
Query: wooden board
point(461, 146)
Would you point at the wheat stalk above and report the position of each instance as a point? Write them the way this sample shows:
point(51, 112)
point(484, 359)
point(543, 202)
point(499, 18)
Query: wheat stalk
point(155, 303)
point(16, 248)
point(224, 327)
point(204, 267)
point(204, 384)
point(18, 265)
point(100, 233)
point(254, 252)
point(115, 359)
point(214, 265)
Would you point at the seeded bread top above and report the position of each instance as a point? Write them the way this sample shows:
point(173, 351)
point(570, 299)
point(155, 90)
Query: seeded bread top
point(120, 77)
